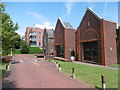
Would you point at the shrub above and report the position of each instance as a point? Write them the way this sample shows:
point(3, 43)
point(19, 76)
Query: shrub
point(16, 51)
point(24, 47)
point(35, 50)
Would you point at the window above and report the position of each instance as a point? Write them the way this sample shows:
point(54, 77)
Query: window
point(32, 44)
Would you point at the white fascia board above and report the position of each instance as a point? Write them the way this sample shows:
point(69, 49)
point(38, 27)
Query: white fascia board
point(61, 22)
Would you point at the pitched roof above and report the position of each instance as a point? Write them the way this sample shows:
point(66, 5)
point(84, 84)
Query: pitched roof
point(95, 14)
point(50, 33)
point(92, 12)
point(65, 24)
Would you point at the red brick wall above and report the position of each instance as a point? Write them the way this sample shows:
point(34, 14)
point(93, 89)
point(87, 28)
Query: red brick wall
point(59, 33)
point(50, 46)
point(118, 45)
point(28, 29)
point(69, 42)
point(66, 37)
point(109, 29)
point(104, 32)
point(88, 30)
point(89, 21)
point(39, 35)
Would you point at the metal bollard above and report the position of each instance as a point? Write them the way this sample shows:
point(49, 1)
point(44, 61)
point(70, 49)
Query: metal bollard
point(59, 67)
point(103, 82)
point(6, 66)
point(56, 64)
point(73, 73)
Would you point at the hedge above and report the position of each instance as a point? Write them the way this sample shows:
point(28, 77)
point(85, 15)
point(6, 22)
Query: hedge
point(32, 50)
point(35, 50)
point(16, 51)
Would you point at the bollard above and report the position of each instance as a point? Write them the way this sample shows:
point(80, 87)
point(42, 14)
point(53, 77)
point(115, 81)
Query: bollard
point(103, 82)
point(56, 64)
point(73, 73)
point(6, 66)
point(59, 67)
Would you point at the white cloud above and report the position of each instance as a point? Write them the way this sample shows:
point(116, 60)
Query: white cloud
point(34, 14)
point(104, 10)
point(21, 32)
point(43, 20)
point(47, 23)
point(69, 7)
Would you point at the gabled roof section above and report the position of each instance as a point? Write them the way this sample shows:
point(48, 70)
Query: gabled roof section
point(95, 14)
point(65, 24)
point(61, 21)
point(50, 33)
point(92, 12)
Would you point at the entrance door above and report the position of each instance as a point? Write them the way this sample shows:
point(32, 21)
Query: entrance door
point(91, 51)
point(60, 51)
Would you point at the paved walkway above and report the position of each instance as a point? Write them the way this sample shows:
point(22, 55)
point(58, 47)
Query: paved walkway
point(30, 72)
point(97, 65)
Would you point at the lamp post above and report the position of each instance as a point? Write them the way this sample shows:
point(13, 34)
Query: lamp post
point(11, 51)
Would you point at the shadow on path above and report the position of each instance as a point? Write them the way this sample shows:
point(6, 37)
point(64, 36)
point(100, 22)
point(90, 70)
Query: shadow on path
point(7, 83)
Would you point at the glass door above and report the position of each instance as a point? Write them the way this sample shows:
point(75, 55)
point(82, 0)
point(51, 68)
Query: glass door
point(91, 51)
point(60, 51)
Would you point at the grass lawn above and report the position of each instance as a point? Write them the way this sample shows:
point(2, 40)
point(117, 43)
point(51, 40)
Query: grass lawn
point(33, 55)
point(3, 67)
point(91, 74)
point(117, 66)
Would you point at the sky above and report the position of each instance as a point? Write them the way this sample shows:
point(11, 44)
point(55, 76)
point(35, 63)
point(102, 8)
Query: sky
point(27, 14)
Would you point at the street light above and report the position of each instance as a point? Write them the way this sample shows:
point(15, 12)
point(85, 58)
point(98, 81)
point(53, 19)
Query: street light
point(11, 51)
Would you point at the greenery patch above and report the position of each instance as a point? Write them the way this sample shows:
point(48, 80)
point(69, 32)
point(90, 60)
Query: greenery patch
point(16, 51)
point(3, 68)
point(117, 66)
point(32, 50)
point(91, 74)
point(35, 50)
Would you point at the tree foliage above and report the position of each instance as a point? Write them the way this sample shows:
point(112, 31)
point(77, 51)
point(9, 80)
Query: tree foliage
point(9, 37)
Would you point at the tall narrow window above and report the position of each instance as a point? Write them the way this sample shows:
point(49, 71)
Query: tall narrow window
point(88, 23)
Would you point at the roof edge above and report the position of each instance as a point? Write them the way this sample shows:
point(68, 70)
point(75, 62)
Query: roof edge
point(91, 10)
point(109, 20)
point(61, 22)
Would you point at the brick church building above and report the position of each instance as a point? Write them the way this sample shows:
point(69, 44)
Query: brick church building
point(64, 39)
point(96, 40)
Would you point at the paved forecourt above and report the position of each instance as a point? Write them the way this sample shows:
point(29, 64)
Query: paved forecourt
point(29, 72)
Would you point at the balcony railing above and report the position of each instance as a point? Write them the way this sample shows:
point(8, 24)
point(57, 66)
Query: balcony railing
point(32, 44)
point(32, 39)
point(32, 34)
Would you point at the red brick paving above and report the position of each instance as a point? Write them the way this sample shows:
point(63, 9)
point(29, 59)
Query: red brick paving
point(41, 74)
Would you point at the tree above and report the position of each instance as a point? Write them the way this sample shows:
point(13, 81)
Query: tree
point(24, 47)
point(9, 36)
